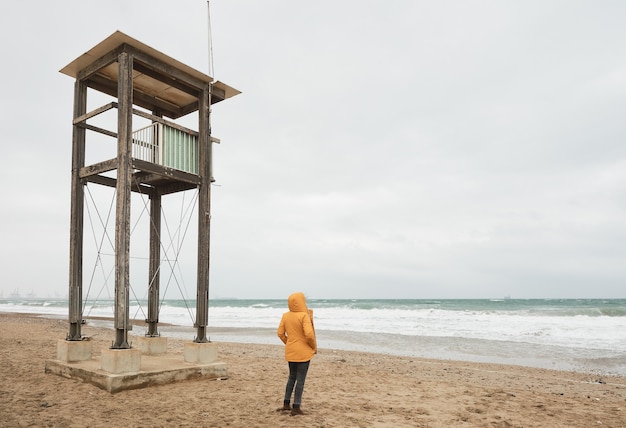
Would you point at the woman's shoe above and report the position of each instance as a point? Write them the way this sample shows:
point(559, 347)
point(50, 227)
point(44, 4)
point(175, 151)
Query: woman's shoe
point(285, 407)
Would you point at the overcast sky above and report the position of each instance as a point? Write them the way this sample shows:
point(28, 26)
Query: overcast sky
point(400, 149)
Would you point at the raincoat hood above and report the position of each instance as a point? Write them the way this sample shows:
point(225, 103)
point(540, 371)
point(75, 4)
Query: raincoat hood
point(297, 302)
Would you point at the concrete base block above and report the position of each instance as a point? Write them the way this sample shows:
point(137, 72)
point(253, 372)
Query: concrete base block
point(155, 370)
point(70, 350)
point(200, 353)
point(121, 360)
point(151, 345)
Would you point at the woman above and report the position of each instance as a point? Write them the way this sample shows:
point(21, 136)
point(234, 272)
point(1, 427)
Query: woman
point(297, 333)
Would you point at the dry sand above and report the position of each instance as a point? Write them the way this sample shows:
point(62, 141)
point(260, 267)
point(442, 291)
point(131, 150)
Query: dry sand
point(343, 389)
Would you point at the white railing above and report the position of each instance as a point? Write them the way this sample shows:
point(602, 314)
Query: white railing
point(164, 145)
point(146, 144)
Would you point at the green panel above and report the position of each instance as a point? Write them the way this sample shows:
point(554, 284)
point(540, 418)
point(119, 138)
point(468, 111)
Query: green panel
point(179, 150)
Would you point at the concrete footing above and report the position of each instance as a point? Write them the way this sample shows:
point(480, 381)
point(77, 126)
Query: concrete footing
point(122, 369)
point(120, 360)
point(200, 353)
point(78, 350)
point(151, 345)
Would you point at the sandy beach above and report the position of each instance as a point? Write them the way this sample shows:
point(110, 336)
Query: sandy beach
point(344, 389)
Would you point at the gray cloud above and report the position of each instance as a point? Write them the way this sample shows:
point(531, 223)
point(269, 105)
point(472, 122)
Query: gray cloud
point(412, 149)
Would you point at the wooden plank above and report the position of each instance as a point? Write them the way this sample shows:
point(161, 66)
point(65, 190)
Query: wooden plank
point(98, 168)
point(164, 184)
point(150, 116)
point(217, 95)
point(162, 121)
point(189, 108)
point(100, 179)
point(93, 113)
point(164, 172)
point(98, 130)
point(112, 182)
point(108, 58)
point(109, 87)
point(175, 188)
point(160, 69)
point(160, 76)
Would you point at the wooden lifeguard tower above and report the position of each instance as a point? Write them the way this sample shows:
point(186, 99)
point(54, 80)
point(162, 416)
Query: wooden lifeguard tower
point(157, 160)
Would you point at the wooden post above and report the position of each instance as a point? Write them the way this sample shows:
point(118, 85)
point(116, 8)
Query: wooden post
point(154, 267)
point(75, 295)
point(204, 216)
point(122, 208)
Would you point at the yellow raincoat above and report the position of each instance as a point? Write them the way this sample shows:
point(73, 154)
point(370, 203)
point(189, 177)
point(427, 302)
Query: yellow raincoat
point(296, 330)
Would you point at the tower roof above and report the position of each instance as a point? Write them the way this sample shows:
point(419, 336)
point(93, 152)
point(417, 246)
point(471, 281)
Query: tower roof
point(160, 82)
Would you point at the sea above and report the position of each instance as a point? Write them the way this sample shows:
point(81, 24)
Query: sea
point(584, 335)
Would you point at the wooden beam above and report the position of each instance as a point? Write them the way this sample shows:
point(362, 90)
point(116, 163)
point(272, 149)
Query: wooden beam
point(100, 179)
point(112, 182)
point(162, 121)
point(175, 188)
point(98, 168)
point(149, 70)
point(217, 95)
point(97, 65)
point(98, 130)
point(164, 172)
point(93, 113)
point(109, 87)
point(159, 69)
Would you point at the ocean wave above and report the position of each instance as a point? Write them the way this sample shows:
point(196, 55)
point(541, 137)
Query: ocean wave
point(591, 324)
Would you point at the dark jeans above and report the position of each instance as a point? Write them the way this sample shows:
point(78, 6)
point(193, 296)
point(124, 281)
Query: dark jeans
point(297, 376)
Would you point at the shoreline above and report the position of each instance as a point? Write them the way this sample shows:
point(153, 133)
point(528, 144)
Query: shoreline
point(597, 362)
point(344, 388)
point(581, 360)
